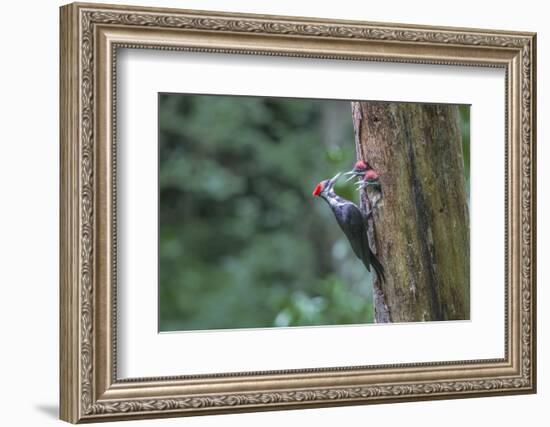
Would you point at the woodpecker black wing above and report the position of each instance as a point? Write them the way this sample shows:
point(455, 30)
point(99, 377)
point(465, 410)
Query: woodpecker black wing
point(351, 221)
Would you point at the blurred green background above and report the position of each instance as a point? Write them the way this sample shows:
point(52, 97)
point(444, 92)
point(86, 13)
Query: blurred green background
point(242, 241)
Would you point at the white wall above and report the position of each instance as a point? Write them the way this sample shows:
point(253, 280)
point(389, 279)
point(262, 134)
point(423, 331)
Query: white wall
point(29, 170)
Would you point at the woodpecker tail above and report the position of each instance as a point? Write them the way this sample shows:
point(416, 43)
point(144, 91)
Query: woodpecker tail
point(378, 268)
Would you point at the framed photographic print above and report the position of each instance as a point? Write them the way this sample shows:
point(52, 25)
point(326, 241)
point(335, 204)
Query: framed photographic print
point(265, 212)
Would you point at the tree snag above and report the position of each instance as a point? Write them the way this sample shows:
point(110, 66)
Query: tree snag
point(420, 227)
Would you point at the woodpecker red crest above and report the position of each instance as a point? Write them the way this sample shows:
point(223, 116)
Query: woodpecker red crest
point(318, 189)
point(325, 187)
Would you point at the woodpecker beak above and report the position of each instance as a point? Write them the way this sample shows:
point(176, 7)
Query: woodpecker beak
point(334, 179)
point(353, 175)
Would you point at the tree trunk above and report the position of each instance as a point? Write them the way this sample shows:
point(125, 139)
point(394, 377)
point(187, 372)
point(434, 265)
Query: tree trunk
point(419, 228)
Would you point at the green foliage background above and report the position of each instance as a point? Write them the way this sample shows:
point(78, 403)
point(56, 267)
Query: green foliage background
point(242, 241)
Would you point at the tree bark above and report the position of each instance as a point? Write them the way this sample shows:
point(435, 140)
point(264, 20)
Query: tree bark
point(419, 228)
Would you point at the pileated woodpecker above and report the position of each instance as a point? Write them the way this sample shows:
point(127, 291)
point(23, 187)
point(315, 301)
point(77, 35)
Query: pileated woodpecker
point(353, 224)
point(358, 170)
point(369, 180)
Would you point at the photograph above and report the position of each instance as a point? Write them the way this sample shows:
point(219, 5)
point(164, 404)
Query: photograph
point(285, 212)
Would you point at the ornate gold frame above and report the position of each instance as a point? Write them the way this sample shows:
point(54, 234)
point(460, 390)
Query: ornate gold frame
point(90, 36)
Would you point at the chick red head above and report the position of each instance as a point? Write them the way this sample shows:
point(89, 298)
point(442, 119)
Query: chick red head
point(360, 166)
point(371, 175)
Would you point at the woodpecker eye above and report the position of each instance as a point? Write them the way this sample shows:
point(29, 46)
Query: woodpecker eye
point(318, 189)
